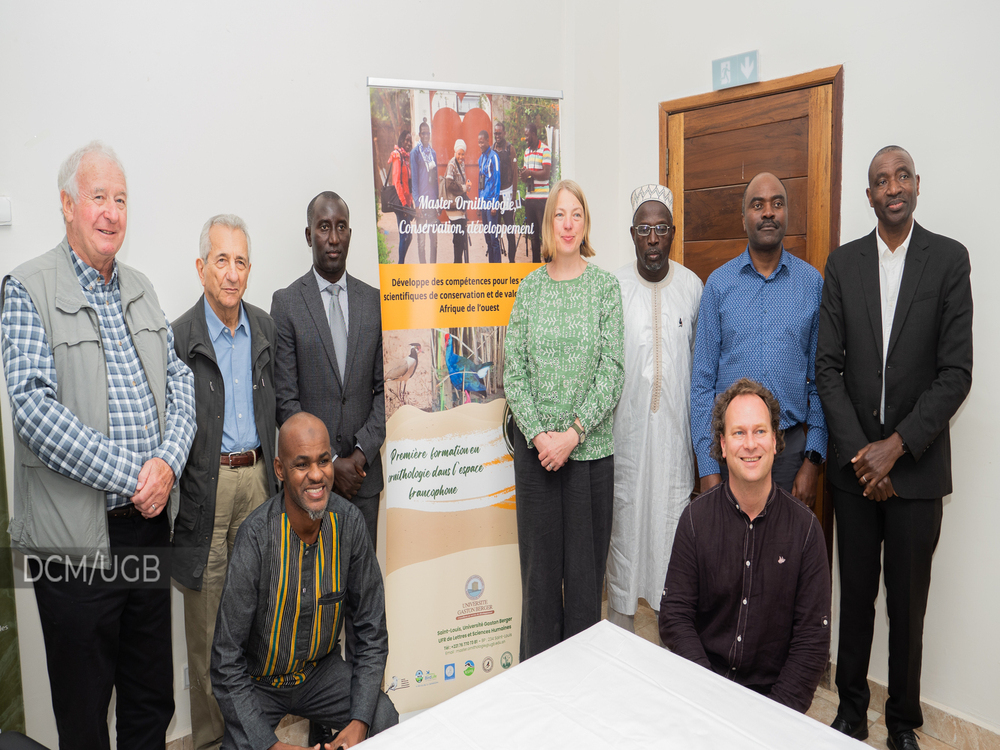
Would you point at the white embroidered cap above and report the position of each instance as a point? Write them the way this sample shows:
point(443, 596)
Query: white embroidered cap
point(657, 193)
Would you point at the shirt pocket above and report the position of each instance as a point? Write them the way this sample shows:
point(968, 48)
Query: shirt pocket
point(331, 598)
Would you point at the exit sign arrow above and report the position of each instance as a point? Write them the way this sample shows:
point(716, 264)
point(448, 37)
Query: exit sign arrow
point(736, 70)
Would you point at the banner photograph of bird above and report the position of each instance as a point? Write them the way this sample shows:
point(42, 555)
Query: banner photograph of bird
point(466, 373)
point(401, 371)
point(467, 369)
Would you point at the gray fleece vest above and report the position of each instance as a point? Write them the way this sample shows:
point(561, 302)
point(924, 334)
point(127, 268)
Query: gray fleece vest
point(52, 513)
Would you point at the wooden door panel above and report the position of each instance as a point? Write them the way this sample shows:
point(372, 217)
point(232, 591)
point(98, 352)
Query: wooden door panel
point(738, 115)
point(715, 213)
point(733, 157)
point(705, 257)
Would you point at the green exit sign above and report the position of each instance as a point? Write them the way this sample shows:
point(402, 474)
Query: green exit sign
point(736, 70)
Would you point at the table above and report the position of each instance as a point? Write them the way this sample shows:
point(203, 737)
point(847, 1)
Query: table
point(608, 688)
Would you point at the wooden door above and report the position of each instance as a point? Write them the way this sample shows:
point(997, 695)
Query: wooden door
point(712, 145)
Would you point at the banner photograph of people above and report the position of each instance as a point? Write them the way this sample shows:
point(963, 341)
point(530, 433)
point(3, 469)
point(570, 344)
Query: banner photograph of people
point(461, 180)
point(461, 177)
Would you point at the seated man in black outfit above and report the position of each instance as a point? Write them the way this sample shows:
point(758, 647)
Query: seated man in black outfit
point(747, 593)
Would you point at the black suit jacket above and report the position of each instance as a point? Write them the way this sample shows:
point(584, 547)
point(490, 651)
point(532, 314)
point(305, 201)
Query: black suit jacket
point(928, 369)
point(307, 378)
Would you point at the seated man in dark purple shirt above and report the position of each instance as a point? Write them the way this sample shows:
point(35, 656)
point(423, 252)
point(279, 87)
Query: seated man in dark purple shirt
point(747, 593)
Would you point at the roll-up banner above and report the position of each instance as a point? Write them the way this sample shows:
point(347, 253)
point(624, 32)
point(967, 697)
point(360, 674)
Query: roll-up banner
point(455, 238)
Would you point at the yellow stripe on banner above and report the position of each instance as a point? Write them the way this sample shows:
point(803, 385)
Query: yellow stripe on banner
point(449, 295)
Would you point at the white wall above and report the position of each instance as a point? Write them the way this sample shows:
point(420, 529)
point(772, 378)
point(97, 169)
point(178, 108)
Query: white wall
point(254, 108)
point(916, 76)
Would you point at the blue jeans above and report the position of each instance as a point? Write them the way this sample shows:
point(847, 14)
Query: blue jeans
point(405, 238)
point(493, 251)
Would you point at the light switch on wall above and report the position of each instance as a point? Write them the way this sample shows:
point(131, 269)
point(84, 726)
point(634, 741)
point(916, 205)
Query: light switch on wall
point(5, 216)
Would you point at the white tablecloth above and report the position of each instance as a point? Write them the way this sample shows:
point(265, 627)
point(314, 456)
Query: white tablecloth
point(607, 688)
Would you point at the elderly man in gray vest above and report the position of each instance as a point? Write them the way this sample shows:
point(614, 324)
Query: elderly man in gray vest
point(103, 417)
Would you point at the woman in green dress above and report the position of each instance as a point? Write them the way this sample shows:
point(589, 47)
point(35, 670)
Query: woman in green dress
point(563, 376)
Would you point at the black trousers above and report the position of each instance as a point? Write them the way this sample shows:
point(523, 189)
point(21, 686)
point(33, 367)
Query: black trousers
point(460, 240)
point(490, 220)
point(506, 219)
point(563, 534)
point(99, 637)
point(534, 213)
point(903, 533)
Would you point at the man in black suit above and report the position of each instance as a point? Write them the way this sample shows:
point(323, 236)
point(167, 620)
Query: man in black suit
point(893, 364)
point(329, 355)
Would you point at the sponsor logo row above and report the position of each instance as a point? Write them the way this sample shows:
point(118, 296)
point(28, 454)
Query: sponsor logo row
point(430, 677)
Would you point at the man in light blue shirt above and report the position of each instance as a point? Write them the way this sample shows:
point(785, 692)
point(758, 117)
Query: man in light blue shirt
point(489, 193)
point(229, 345)
point(759, 319)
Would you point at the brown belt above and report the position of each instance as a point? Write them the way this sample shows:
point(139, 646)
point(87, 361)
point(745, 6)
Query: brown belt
point(239, 460)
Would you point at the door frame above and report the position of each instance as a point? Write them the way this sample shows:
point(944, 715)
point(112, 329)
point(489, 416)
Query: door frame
point(824, 165)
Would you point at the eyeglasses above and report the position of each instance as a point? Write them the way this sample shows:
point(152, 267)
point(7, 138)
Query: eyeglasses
point(661, 229)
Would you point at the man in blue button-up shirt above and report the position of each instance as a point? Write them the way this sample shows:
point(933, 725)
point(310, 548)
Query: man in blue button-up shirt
point(229, 345)
point(759, 319)
point(489, 193)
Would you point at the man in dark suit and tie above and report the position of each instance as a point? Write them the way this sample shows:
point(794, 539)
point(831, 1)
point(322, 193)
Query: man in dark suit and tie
point(329, 356)
point(893, 365)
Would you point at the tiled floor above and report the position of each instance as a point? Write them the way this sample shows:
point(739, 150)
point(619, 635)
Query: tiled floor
point(292, 729)
point(824, 709)
point(824, 705)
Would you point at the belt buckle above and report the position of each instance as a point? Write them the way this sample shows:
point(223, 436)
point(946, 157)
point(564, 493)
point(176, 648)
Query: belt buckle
point(238, 454)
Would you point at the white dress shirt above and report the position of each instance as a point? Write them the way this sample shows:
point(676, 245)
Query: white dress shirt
point(890, 274)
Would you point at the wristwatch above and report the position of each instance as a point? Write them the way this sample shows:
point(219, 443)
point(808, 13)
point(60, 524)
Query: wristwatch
point(581, 433)
point(814, 457)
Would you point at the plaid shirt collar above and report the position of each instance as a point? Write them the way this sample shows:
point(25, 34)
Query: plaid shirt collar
point(90, 277)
